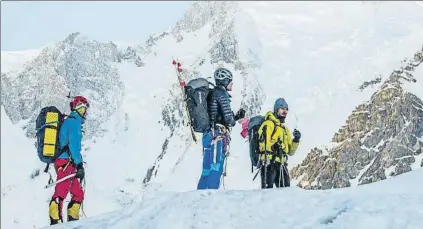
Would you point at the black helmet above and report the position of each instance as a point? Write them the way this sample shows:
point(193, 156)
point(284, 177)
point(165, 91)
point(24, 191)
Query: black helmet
point(223, 76)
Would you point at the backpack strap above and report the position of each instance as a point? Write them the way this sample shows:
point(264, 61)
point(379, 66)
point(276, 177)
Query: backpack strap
point(273, 132)
point(274, 129)
point(271, 136)
point(47, 124)
point(47, 167)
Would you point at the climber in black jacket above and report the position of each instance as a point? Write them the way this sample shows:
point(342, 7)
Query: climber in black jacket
point(216, 140)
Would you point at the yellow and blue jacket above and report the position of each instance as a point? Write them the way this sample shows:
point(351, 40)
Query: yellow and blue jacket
point(276, 132)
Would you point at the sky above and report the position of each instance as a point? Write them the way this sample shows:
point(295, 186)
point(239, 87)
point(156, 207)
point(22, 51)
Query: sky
point(33, 25)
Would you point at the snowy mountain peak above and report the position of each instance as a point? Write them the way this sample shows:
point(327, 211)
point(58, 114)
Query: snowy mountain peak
point(77, 65)
point(203, 12)
point(72, 37)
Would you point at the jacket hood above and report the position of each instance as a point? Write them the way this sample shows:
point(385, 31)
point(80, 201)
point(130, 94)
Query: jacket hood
point(271, 116)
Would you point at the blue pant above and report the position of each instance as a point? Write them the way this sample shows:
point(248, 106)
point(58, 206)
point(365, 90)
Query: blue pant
point(213, 161)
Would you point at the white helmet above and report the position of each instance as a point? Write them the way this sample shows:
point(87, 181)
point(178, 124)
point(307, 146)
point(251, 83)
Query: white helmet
point(223, 76)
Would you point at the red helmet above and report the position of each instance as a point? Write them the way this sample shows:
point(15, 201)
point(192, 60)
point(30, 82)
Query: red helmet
point(79, 101)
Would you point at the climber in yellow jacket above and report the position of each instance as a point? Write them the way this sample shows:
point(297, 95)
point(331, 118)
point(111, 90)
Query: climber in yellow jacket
point(276, 142)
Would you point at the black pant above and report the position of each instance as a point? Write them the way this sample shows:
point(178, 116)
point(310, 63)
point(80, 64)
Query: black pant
point(276, 174)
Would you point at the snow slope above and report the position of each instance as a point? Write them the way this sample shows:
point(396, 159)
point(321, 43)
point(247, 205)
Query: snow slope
point(24, 201)
point(18, 163)
point(13, 141)
point(394, 204)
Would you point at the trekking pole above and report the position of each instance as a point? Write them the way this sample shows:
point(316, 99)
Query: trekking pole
point(266, 156)
point(82, 204)
point(226, 164)
point(280, 172)
point(226, 161)
point(227, 153)
point(223, 131)
point(60, 180)
point(282, 175)
point(257, 173)
point(222, 179)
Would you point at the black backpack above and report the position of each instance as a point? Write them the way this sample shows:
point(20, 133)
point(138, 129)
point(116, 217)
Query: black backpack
point(197, 95)
point(48, 125)
point(253, 137)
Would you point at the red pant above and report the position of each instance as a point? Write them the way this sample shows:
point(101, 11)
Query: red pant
point(72, 184)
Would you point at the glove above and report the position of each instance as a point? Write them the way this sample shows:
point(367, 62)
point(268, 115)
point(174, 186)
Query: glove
point(240, 114)
point(80, 172)
point(297, 135)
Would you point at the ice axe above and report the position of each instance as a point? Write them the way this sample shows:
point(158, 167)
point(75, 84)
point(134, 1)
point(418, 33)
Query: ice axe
point(60, 180)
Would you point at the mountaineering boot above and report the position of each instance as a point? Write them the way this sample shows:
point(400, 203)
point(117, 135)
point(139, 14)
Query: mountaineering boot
point(55, 213)
point(73, 210)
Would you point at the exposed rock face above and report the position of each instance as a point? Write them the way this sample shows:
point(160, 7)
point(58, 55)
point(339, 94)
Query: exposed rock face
point(370, 83)
point(381, 138)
